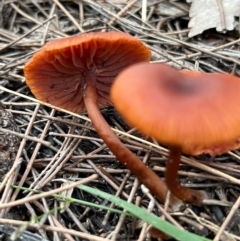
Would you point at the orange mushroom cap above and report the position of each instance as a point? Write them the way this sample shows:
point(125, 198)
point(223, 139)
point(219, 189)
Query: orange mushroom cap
point(192, 112)
point(59, 72)
point(214, 150)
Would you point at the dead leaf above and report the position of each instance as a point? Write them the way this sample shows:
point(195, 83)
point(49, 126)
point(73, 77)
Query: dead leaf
point(206, 14)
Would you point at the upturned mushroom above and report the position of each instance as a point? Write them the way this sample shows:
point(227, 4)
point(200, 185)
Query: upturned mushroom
point(76, 74)
point(185, 112)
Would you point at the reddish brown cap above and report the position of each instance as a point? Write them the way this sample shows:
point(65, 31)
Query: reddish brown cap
point(216, 149)
point(59, 72)
point(191, 111)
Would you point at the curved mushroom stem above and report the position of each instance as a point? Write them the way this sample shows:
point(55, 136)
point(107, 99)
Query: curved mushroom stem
point(183, 193)
point(123, 154)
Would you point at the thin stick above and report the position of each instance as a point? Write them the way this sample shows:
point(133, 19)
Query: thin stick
point(18, 10)
point(26, 34)
point(69, 15)
point(49, 193)
point(222, 14)
point(45, 143)
point(144, 11)
point(123, 11)
point(56, 229)
point(227, 219)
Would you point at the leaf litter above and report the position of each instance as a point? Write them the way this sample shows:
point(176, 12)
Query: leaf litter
point(219, 14)
point(24, 28)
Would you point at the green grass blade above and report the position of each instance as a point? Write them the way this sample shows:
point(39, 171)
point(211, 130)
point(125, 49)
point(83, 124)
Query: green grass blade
point(73, 200)
point(150, 218)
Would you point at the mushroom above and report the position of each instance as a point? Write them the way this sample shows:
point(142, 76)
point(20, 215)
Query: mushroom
point(185, 112)
point(76, 73)
point(214, 149)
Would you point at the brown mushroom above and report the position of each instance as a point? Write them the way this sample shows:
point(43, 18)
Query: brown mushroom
point(182, 111)
point(76, 73)
point(216, 149)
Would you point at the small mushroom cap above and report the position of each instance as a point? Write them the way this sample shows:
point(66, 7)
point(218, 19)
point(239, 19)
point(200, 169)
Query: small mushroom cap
point(178, 109)
point(59, 72)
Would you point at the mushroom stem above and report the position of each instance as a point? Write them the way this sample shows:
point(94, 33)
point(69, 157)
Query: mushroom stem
point(123, 154)
point(183, 193)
